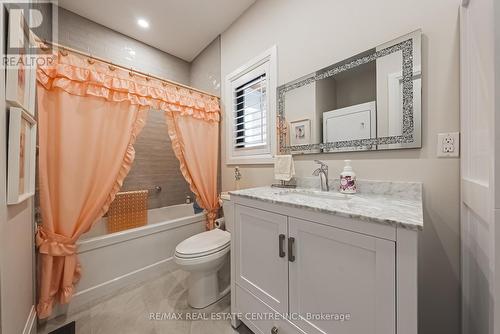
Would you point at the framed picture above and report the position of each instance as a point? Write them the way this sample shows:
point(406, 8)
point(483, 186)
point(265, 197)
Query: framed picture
point(300, 132)
point(21, 156)
point(21, 79)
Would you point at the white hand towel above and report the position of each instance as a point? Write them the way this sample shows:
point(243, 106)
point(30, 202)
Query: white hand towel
point(284, 168)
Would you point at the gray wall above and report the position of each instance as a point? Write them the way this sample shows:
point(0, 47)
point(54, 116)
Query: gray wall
point(310, 35)
point(205, 75)
point(82, 34)
point(155, 162)
point(205, 69)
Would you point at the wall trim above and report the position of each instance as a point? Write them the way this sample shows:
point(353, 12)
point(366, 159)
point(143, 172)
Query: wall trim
point(30, 326)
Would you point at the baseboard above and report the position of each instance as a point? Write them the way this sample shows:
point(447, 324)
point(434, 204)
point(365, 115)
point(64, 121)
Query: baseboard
point(30, 326)
point(83, 300)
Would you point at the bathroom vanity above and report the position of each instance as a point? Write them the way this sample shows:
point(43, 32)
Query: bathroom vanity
point(308, 261)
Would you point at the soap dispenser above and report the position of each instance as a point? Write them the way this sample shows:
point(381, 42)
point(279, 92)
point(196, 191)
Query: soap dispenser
point(348, 179)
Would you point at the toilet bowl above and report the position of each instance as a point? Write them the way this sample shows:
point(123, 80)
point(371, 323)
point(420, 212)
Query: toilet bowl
point(202, 255)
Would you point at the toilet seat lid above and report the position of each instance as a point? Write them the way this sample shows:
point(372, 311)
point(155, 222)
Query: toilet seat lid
point(203, 243)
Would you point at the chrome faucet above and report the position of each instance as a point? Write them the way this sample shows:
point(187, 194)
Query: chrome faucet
point(322, 172)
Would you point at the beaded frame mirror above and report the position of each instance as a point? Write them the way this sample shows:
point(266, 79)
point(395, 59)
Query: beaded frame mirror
point(403, 106)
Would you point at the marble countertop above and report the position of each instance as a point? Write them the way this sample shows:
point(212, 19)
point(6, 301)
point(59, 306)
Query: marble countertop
point(392, 203)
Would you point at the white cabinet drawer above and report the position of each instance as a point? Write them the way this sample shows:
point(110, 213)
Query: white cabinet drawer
point(252, 308)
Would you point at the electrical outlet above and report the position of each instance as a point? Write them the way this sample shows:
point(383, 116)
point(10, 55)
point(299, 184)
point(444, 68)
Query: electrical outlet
point(448, 145)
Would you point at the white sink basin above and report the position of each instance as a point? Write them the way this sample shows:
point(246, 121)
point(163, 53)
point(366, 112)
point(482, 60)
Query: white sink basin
point(316, 193)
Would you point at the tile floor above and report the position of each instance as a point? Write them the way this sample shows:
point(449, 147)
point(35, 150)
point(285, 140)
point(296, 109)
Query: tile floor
point(129, 312)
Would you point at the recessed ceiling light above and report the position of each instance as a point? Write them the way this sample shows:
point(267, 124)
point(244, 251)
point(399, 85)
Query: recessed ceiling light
point(143, 23)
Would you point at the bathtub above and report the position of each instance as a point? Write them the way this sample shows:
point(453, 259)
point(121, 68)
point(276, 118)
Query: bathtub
point(113, 262)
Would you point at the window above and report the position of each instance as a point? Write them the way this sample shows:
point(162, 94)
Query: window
point(250, 117)
point(250, 111)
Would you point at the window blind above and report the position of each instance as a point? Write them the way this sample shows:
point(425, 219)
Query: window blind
point(250, 114)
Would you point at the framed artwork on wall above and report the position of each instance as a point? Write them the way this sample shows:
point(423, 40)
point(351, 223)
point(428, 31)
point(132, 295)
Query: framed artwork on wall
point(21, 156)
point(300, 132)
point(20, 78)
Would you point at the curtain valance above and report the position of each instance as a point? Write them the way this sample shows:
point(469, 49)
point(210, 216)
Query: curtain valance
point(84, 76)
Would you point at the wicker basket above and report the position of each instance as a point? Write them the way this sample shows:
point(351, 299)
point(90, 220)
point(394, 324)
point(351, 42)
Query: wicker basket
point(128, 210)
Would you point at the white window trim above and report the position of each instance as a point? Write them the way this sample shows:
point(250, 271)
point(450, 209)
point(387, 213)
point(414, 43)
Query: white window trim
point(270, 56)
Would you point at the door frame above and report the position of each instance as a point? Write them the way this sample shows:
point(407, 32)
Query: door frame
point(480, 200)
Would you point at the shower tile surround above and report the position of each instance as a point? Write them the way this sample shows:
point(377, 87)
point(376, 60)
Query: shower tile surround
point(155, 164)
point(83, 34)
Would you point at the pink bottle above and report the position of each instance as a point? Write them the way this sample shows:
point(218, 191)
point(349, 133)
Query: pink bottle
point(348, 179)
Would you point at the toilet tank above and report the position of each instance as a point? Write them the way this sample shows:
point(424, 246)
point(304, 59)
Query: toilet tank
point(228, 208)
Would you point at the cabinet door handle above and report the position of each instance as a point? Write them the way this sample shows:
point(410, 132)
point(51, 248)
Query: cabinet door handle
point(291, 242)
point(281, 245)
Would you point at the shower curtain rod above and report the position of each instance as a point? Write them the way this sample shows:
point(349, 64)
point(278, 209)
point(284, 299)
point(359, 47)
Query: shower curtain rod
point(126, 68)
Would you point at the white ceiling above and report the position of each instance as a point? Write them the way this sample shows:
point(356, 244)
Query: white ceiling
point(180, 27)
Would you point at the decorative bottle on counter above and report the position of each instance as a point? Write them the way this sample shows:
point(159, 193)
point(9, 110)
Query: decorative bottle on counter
point(348, 179)
point(237, 177)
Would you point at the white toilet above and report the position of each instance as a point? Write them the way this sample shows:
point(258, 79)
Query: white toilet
point(203, 255)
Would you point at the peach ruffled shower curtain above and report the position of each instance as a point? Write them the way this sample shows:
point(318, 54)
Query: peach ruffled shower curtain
point(195, 144)
point(89, 115)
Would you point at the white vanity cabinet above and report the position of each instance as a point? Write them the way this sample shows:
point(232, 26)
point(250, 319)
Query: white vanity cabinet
point(334, 270)
point(310, 265)
point(258, 260)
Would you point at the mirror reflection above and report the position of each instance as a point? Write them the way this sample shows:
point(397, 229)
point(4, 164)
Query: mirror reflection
point(370, 101)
